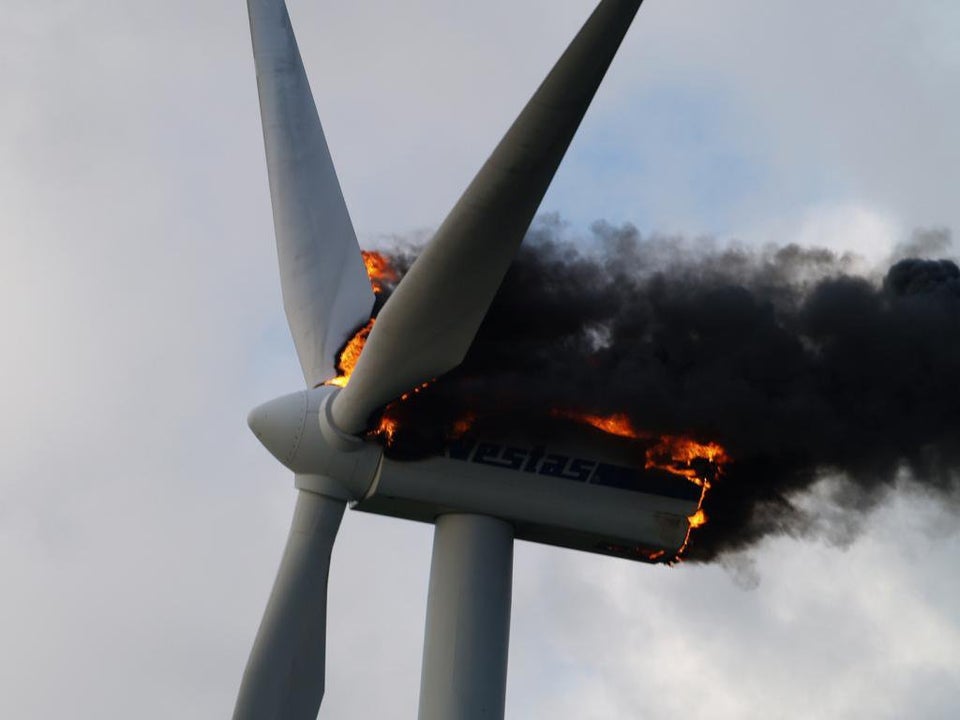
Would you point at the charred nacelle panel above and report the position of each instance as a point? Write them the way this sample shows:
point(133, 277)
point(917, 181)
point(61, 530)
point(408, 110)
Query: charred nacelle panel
point(559, 498)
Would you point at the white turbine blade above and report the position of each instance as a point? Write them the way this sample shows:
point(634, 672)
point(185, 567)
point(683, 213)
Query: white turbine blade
point(284, 676)
point(326, 291)
point(429, 322)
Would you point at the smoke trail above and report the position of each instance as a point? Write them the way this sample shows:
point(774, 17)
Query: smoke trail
point(799, 367)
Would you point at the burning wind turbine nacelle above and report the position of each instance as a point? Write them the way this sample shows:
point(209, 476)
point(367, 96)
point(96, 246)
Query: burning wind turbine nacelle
point(588, 497)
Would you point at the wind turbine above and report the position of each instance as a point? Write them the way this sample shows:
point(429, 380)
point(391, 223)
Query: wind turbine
point(587, 494)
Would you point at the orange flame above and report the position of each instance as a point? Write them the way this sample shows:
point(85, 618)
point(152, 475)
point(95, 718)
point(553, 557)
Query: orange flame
point(678, 455)
point(410, 393)
point(618, 424)
point(349, 355)
point(463, 424)
point(387, 428)
point(379, 270)
point(675, 454)
point(698, 519)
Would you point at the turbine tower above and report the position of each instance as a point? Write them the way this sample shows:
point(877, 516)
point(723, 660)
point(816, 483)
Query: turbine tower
point(588, 494)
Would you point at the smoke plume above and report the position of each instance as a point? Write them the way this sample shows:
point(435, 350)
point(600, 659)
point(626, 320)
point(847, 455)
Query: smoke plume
point(799, 367)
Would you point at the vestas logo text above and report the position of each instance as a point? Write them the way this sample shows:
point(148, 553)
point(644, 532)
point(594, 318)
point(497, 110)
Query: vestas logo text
point(534, 460)
point(538, 461)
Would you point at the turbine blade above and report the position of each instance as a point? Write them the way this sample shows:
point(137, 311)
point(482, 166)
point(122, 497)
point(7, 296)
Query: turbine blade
point(429, 322)
point(284, 675)
point(326, 291)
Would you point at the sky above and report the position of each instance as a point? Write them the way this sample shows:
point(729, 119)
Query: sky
point(141, 523)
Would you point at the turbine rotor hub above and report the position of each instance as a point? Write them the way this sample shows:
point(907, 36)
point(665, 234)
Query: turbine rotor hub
point(298, 431)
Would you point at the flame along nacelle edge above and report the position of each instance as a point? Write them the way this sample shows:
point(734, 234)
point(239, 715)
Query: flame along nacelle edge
point(582, 498)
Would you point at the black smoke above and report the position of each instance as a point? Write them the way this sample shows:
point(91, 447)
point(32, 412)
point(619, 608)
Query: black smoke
point(801, 368)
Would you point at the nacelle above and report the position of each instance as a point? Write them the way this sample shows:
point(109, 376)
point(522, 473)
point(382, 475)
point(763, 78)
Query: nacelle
point(575, 499)
point(591, 495)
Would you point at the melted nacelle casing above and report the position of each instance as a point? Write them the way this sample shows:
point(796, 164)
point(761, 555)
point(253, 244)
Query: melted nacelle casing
point(297, 431)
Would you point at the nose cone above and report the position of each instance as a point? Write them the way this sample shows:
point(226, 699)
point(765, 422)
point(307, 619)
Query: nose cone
point(279, 425)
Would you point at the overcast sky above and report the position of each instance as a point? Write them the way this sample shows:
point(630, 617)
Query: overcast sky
point(141, 523)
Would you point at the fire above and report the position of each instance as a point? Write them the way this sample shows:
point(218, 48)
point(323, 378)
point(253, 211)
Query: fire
point(388, 424)
point(698, 519)
point(676, 454)
point(680, 455)
point(379, 270)
point(418, 389)
point(618, 424)
point(350, 354)
point(387, 428)
point(461, 426)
